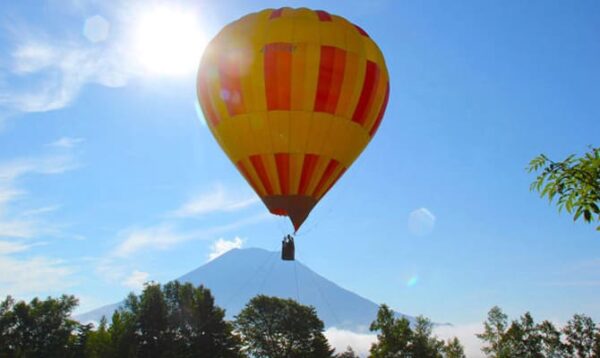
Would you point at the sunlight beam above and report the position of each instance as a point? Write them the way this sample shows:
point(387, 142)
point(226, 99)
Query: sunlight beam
point(168, 41)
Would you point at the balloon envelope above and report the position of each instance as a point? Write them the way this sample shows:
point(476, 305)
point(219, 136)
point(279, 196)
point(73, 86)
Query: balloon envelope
point(292, 96)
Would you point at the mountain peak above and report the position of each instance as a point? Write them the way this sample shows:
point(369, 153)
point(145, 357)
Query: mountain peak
point(240, 274)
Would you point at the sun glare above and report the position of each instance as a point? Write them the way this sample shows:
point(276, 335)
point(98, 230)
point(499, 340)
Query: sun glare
point(168, 41)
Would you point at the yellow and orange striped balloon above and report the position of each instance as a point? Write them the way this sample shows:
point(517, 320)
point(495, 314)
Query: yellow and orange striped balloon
point(293, 96)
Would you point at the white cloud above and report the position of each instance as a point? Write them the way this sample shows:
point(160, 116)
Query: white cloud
point(165, 236)
point(421, 221)
point(12, 170)
point(55, 73)
point(66, 142)
point(33, 276)
point(18, 228)
point(136, 280)
point(42, 210)
point(221, 246)
point(33, 58)
point(157, 237)
point(217, 200)
point(108, 269)
point(26, 224)
point(9, 247)
point(8, 194)
point(341, 339)
point(466, 333)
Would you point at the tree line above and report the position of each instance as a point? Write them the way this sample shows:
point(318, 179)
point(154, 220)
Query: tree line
point(180, 320)
point(579, 338)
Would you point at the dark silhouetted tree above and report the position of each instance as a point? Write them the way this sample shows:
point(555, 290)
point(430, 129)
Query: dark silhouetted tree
point(79, 340)
point(123, 342)
point(281, 328)
point(98, 343)
point(197, 325)
point(150, 309)
point(177, 320)
point(40, 328)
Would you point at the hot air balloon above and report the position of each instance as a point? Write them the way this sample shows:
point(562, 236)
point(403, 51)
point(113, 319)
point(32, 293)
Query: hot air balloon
point(292, 96)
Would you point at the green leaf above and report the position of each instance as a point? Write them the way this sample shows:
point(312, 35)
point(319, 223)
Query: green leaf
point(578, 213)
point(587, 215)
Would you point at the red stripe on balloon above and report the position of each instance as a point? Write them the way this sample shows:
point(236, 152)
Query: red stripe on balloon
point(339, 68)
point(283, 171)
point(361, 31)
point(381, 111)
point(308, 167)
point(331, 75)
point(323, 15)
point(331, 167)
point(276, 13)
point(367, 93)
point(259, 167)
point(325, 76)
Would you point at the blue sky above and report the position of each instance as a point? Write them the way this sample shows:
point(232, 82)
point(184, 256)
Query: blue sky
point(109, 178)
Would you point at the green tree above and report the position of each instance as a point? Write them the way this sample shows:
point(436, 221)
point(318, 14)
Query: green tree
point(552, 345)
point(494, 329)
point(575, 181)
point(98, 343)
point(79, 340)
point(177, 320)
point(349, 353)
point(522, 339)
point(581, 334)
point(596, 348)
point(424, 344)
point(153, 336)
point(281, 328)
point(394, 335)
point(40, 328)
point(122, 334)
point(454, 349)
point(197, 325)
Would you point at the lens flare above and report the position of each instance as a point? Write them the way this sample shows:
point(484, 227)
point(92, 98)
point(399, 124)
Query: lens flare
point(412, 281)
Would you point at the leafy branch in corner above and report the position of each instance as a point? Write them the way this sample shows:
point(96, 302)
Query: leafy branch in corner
point(575, 181)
